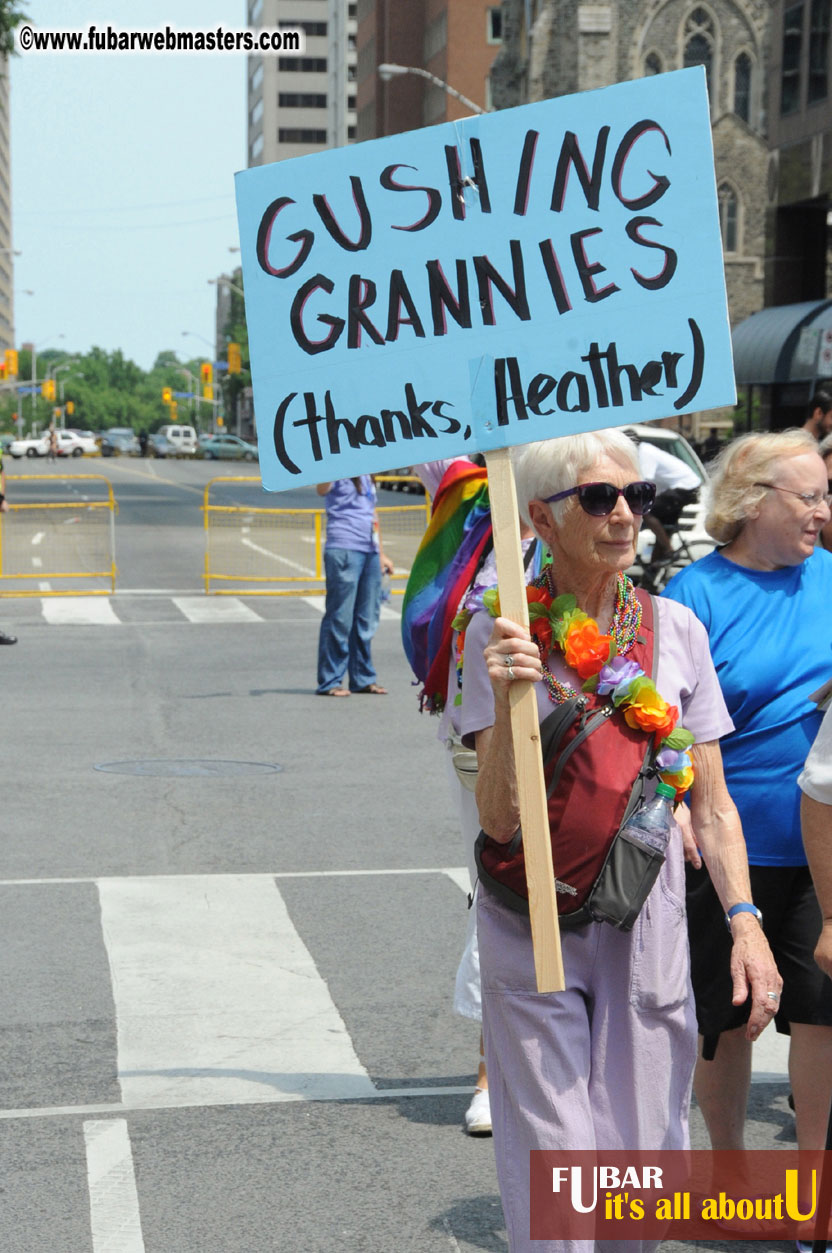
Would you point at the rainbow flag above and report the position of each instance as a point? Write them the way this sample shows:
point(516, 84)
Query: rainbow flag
point(444, 566)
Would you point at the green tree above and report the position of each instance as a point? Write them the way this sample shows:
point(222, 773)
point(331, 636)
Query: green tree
point(11, 15)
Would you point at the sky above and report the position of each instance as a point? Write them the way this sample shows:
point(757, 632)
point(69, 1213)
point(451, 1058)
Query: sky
point(123, 182)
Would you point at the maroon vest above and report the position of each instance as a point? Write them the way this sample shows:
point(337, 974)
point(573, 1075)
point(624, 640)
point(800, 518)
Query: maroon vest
point(594, 765)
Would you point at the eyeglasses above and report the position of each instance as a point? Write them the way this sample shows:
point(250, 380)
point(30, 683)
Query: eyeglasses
point(599, 499)
point(810, 499)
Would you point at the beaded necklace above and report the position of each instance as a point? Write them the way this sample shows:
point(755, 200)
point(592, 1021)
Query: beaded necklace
point(626, 621)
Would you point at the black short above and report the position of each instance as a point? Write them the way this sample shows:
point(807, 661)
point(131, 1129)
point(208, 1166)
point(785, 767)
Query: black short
point(792, 922)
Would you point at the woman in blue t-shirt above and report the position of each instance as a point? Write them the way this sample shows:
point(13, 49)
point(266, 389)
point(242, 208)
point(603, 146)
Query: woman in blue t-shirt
point(353, 563)
point(765, 598)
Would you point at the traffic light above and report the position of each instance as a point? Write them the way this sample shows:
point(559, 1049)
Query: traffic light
point(174, 409)
point(167, 395)
point(2, 372)
point(206, 371)
point(10, 362)
point(70, 407)
point(235, 362)
point(47, 389)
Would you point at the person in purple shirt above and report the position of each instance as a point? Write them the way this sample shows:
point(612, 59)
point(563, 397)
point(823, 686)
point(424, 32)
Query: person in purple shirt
point(353, 563)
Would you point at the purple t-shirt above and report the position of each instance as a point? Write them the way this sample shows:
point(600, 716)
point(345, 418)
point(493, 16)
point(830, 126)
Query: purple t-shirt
point(350, 515)
point(686, 676)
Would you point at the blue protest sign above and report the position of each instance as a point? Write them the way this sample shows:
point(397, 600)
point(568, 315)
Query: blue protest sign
point(510, 277)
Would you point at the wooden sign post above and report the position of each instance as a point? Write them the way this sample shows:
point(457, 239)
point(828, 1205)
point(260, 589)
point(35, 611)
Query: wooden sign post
point(525, 730)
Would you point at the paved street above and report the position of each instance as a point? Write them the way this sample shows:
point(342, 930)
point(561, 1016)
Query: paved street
point(230, 915)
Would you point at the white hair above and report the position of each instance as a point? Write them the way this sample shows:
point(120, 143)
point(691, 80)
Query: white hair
point(553, 465)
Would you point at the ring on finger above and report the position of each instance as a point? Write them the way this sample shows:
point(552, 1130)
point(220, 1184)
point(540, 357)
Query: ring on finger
point(773, 996)
point(509, 660)
point(511, 672)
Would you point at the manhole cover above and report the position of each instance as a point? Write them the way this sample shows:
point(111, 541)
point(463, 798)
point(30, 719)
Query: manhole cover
point(201, 769)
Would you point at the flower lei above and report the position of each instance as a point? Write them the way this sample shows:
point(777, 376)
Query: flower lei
point(600, 661)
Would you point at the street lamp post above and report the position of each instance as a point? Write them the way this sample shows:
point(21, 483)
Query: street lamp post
point(215, 404)
point(197, 335)
point(388, 70)
point(53, 373)
point(215, 282)
point(223, 279)
point(35, 374)
point(183, 369)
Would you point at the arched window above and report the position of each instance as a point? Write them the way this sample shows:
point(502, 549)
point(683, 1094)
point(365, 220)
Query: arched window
point(728, 217)
point(700, 37)
point(652, 64)
point(742, 87)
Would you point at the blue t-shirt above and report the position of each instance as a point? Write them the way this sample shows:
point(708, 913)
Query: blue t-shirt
point(770, 635)
point(350, 515)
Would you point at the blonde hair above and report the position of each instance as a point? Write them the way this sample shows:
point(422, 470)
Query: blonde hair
point(553, 465)
point(745, 462)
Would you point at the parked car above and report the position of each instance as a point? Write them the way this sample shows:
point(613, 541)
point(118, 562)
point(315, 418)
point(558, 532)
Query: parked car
point(689, 540)
point(37, 446)
point(228, 447)
point(692, 521)
point(182, 437)
point(158, 445)
point(74, 444)
point(120, 441)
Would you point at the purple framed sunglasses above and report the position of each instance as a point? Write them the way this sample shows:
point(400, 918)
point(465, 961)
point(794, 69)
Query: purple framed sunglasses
point(599, 499)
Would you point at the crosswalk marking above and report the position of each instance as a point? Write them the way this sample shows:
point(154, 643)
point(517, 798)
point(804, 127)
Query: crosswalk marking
point(378, 1094)
point(80, 611)
point(195, 609)
point(387, 612)
point(217, 997)
point(227, 609)
point(461, 878)
point(114, 1202)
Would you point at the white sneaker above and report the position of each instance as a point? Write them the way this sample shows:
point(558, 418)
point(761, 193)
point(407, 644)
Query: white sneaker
point(478, 1114)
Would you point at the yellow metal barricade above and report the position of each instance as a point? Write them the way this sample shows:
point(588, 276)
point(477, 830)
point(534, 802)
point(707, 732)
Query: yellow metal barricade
point(258, 551)
point(69, 542)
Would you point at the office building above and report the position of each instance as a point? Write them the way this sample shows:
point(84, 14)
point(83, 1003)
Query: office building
point(455, 40)
point(302, 102)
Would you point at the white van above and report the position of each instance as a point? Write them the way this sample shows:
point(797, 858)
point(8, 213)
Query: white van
point(182, 437)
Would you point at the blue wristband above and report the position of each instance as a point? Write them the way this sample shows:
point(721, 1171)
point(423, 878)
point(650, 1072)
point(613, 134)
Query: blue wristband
point(743, 907)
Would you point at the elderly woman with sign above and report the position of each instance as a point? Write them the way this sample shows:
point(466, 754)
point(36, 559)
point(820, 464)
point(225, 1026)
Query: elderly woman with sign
point(626, 694)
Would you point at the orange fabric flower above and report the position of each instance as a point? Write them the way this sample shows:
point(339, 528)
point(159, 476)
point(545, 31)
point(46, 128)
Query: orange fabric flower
point(586, 650)
point(651, 712)
point(664, 729)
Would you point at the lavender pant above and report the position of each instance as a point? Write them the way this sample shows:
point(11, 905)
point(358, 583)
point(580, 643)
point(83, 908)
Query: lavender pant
point(608, 1063)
